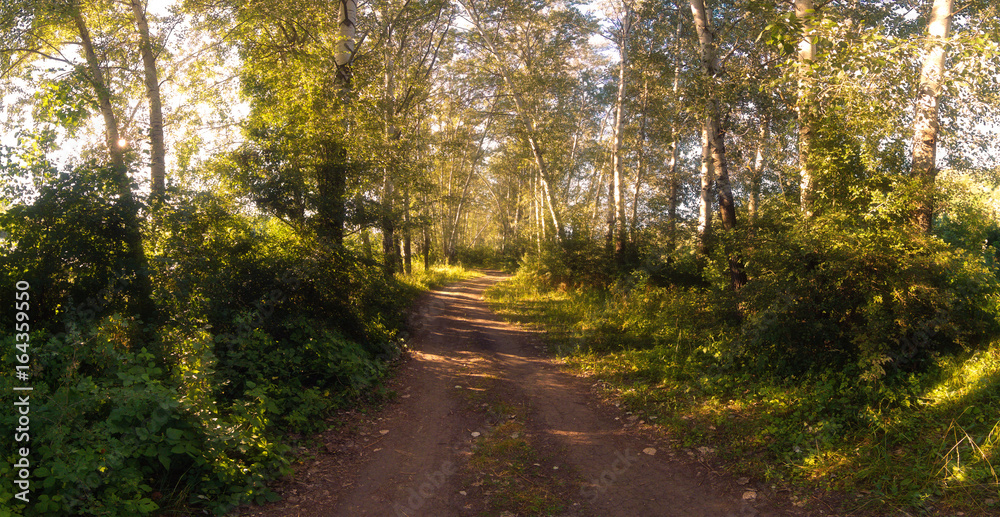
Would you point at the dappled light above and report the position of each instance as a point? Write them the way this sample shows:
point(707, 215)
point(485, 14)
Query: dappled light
point(764, 236)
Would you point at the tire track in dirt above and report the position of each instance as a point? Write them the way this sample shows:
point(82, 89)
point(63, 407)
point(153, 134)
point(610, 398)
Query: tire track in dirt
point(419, 467)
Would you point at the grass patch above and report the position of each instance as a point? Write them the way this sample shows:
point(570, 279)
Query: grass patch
point(437, 275)
point(922, 442)
point(506, 464)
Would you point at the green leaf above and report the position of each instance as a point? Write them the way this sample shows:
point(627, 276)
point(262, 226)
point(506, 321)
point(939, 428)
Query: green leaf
point(165, 460)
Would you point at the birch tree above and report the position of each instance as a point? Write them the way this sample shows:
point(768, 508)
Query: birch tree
point(347, 20)
point(713, 132)
point(925, 124)
point(157, 153)
point(805, 105)
point(617, 228)
point(141, 287)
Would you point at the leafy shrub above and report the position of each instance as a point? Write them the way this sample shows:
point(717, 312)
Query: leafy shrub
point(578, 261)
point(868, 294)
point(68, 244)
point(124, 441)
point(301, 375)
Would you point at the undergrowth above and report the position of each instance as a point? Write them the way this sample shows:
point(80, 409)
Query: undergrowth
point(914, 441)
point(261, 334)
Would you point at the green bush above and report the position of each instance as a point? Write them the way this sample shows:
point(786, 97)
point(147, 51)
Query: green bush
point(866, 294)
point(69, 245)
point(264, 332)
point(577, 261)
point(302, 375)
point(123, 440)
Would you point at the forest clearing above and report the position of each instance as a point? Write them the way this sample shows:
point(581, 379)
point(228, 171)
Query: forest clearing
point(475, 257)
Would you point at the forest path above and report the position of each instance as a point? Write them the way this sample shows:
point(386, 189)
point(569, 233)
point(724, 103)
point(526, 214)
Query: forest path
point(412, 457)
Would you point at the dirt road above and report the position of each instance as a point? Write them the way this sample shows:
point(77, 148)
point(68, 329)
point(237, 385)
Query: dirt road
point(413, 457)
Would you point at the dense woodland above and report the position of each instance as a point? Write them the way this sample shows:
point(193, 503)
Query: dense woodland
point(223, 209)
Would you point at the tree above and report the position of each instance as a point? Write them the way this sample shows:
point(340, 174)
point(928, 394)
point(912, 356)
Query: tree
point(925, 123)
point(141, 286)
point(617, 229)
point(806, 104)
point(714, 133)
point(42, 30)
point(157, 162)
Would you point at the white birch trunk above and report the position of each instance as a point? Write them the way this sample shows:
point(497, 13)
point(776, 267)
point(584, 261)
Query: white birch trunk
point(157, 149)
point(805, 105)
point(347, 19)
point(925, 124)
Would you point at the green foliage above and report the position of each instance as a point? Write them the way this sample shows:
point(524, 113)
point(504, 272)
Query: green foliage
point(297, 378)
point(68, 244)
point(864, 294)
point(488, 257)
point(266, 331)
point(123, 441)
point(576, 261)
point(922, 439)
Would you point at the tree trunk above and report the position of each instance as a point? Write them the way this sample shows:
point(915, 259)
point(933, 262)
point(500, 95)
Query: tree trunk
point(157, 152)
point(642, 163)
point(705, 198)
point(757, 168)
point(805, 104)
point(391, 258)
point(331, 183)
point(347, 18)
point(140, 297)
point(425, 230)
point(407, 234)
point(332, 173)
point(425, 249)
point(672, 177)
point(925, 124)
point(714, 134)
point(390, 255)
point(617, 221)
point(674, 197)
